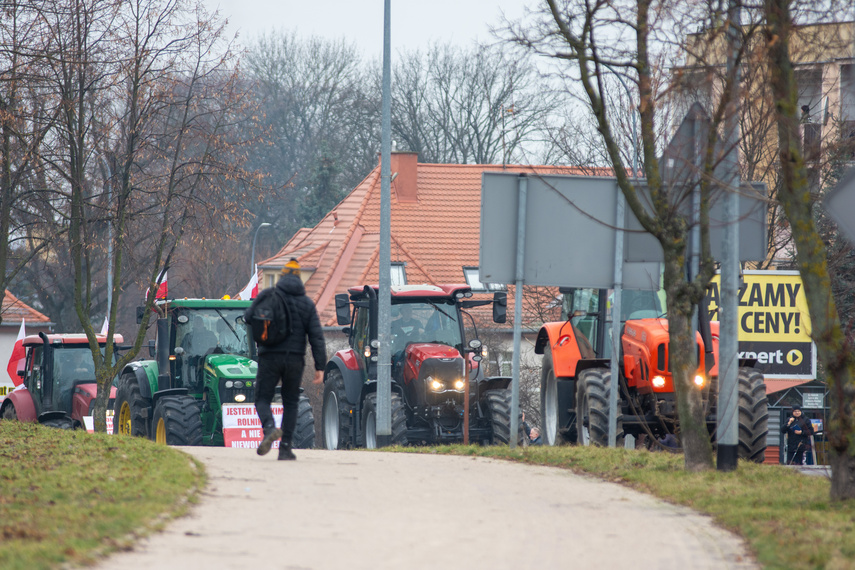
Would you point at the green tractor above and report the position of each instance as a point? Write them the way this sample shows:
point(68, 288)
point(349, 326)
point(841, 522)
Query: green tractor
point(204, 367)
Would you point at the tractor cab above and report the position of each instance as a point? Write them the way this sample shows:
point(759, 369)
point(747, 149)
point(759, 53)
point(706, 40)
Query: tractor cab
point(197, 332)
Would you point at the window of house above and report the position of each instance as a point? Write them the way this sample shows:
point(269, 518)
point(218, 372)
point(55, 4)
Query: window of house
point(474, 281)
point(847, 92)
point(809, 83)
point(399, 274)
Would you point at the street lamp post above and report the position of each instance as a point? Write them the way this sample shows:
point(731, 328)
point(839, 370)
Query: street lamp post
point(252, 260)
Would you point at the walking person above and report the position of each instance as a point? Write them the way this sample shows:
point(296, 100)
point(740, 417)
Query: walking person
point(798, 429)
point(284, 362)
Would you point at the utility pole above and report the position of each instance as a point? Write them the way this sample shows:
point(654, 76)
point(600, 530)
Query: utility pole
point(727, 434)
point(384, 309)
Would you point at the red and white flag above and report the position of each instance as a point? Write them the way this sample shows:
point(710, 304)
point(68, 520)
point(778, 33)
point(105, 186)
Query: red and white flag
point(162, 288)
point(251, 289)
point(106, 326)
point(17, 354)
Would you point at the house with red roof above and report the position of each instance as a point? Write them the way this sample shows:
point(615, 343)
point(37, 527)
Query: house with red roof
point(13, 312)
point(435, 233)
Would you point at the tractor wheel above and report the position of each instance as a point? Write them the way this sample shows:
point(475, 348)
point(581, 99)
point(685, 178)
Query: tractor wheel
point(753, 415)
point(336, 423)
point(592, 408)
point(176, 421)
point(369, 421)
point(59, 423)
point(128, 409)
point(498, 405)
point(304, 432)
point(551, 399)
point(9, 412)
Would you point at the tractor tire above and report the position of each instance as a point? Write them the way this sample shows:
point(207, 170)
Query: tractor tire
point(129, 408)
point(335, 422)
point(9, 412)
point(176, 421)
point(59, 423)
point(550, 403)
point(304, 431)
point(592, 408)
point(498, 405)
point(369, 421)
point(753, 415)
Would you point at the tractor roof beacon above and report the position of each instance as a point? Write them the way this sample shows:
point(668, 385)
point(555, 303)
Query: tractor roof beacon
point(59, 385)
point(438, 386)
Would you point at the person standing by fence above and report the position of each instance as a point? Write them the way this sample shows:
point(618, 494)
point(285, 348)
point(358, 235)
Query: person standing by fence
point(798, 429)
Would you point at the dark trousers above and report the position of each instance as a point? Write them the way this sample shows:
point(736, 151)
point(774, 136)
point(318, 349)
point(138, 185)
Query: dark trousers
point(273, 368)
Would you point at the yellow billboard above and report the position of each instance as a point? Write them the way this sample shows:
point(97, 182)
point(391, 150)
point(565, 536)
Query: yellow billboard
point(774, 324)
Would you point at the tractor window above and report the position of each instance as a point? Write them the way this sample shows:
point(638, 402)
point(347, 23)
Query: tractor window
point(360, 329)
point(70, 366)
point(584, 304)
point(424, 322)
point(33, 376)
point(208, 331)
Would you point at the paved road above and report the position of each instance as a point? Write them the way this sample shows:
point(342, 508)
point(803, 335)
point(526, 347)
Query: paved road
point(354, 509)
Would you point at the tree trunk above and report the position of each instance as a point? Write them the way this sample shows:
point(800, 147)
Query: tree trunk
point(697, 451)
point(833, 349)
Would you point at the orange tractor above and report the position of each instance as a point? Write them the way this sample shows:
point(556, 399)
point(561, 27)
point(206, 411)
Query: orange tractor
point(576, 375)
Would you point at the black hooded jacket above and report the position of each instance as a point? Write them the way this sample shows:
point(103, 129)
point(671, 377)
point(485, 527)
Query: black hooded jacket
point(304, 322)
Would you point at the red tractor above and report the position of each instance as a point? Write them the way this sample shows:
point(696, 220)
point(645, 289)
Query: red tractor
point(576, 375)
point(436, 375)
point(59, 381)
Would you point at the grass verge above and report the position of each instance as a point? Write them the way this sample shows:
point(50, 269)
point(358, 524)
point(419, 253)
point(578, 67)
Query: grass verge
point(786, 517)
point(70, 496)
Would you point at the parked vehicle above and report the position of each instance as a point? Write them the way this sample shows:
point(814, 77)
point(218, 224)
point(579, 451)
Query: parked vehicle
point(59, 386)
point(204, 358)
point(436, 374)
point(576, 374)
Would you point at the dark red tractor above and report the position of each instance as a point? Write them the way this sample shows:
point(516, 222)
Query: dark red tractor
point(59, 381)
point(438, 389)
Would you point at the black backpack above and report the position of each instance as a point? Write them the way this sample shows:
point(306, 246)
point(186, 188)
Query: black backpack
point(270, 318)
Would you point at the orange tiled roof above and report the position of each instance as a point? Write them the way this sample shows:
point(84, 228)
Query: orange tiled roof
point(14, 310)
point(436, 235)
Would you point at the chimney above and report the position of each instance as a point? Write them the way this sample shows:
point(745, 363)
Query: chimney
point(404, 166)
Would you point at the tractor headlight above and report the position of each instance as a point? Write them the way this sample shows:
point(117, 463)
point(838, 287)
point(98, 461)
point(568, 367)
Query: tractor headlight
point(435, 385)
point(700, 381)
point(367, 351)
point(459, 385)
point(240, 397)
point(229, 384)
point(239, 384)
point(658, 382)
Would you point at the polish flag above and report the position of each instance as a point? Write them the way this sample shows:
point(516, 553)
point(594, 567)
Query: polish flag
point(17, 354)
point(162, 288)
point(251, 289)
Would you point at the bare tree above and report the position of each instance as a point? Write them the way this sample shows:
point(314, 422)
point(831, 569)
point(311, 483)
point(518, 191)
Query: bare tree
point(479, 106)
point(834, 349)
point(320, 126)
point(27, 114)
point(145, 146)
point(630, 38)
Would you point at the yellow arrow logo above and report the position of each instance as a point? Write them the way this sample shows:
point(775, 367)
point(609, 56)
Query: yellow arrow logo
point(794, 357)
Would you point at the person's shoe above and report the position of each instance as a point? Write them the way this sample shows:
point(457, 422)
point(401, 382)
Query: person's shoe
point(269, 438)
point(285, 453)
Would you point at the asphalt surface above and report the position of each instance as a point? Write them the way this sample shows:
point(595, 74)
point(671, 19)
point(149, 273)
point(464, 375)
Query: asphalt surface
point(357, 509)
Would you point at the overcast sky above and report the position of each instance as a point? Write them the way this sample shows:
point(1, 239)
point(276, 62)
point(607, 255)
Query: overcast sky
point(415, 23)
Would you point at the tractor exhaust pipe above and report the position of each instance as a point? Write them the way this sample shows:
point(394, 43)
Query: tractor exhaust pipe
point(163, 377)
